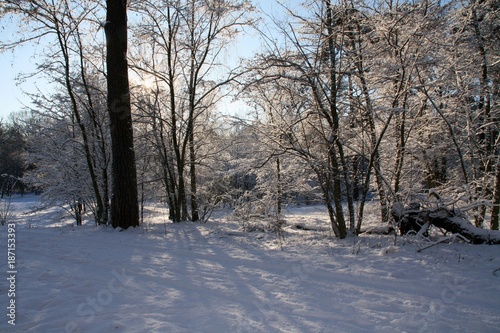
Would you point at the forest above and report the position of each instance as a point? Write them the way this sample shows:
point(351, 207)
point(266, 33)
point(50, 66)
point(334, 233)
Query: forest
point(343, 103)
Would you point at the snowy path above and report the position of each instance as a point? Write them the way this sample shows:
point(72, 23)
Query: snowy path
point(209, 278)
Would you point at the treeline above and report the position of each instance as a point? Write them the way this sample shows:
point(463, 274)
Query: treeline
point(350, 101)
point(12, 162)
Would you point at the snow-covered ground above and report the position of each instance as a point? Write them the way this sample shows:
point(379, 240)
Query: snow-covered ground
point(215, 278)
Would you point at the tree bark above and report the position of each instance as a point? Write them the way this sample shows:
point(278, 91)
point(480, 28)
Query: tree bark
point(192, 172)
point(334, 139)
point(278, 187)
point(413, 218)
point(124, 200)
point(495, 211)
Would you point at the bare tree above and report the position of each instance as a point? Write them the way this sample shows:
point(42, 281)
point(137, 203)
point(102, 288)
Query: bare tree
point(313, 68)
point(186, 40)
point(467, 91)
point(67, 65)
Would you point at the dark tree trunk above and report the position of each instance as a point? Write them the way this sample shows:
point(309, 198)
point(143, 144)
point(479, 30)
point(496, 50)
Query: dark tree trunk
point(278, 187)
point(124, 201)
point(495, 211)
point(413, 218)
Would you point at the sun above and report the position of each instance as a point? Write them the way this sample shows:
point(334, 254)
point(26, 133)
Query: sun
point(149, 82)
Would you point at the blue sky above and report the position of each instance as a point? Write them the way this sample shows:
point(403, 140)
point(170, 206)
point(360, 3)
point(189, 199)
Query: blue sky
point(13, 63)
point(22, 60)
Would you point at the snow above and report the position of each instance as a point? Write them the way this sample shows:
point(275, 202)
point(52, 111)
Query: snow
point(211, 277)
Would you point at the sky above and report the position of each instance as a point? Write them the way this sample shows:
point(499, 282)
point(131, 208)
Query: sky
point(13, 63)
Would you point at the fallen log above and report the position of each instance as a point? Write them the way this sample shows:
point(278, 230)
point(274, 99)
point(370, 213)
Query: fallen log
point(414, 218)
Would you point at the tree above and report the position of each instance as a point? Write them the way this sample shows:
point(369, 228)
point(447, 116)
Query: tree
point(68, 63)
point(12, 166)
point(310, 70)
point(54, 152)
point(124, 198)
point(465, 92)
point(395, 98)
point(476, 46)
point(347, 70)
point(185, 41)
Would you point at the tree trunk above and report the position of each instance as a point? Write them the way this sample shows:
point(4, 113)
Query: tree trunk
point(278, 187)
point(495, 211)
point(370, 116)
point(65, 49)
point(333, 119)
point(331, 188)
point(106, 189)
point(78, 209)
point(124, 200)
point(413, 218)
point(192, 171)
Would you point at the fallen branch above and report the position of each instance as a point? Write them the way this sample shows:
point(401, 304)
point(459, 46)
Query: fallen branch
point(302, 227)
point(414, 218)
point(443, 240)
